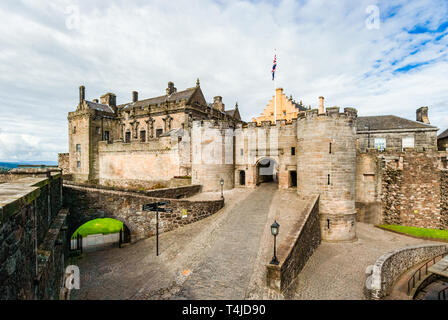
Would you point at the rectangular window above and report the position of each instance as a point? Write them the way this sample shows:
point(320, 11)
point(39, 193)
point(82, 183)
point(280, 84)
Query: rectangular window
point(380, 144)
point(408, 142)
point(330, 148)
point(106, 135)
point(78, 164)
point(242, 152)
point(127, 137)
point(74, 129)
point(98, 130)
point(142, 136)
point(78, 148)
point(329, 180)
point(159, 132)
point(293, 151)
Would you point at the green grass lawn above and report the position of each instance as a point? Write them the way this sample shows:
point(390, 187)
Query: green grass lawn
point(418, 232)
point(98, 226)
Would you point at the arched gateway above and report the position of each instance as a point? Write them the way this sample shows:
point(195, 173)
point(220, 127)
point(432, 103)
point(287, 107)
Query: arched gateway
point(267, 170)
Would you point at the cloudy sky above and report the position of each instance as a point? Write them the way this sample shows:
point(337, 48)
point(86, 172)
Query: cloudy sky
point(382, 57)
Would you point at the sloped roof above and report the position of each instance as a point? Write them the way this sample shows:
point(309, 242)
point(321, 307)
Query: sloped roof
point(389, 122)
point(100, 107)
point(185, 94)
point(230, 112)
point(443, 135)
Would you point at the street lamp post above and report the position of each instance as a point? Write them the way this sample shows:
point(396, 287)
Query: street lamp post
point(222, 188)
point(274, 231)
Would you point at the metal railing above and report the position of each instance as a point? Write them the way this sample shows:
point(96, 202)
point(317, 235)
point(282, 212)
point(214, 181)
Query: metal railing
point(412, 279)
point(443, 294)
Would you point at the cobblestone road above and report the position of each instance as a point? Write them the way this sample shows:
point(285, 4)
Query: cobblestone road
point(211, 259)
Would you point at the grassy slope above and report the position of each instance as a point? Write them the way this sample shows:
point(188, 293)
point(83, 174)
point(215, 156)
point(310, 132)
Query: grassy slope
point(418, 232)
point(98, 226)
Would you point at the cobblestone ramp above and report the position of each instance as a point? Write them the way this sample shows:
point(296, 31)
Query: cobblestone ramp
point(228, 262)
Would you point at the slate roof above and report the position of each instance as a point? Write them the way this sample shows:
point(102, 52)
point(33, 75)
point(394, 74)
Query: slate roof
point(100, 107)
point(389, 123)
point(443, 135)
point(176, 96)
point(300, 106)
point(230, 112)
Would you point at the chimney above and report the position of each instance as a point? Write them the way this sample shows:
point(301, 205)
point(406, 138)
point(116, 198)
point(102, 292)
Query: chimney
point(134, 96)
point(217, 103)
point(422, 115)
point(321, 105)
point(109, 99)
point(82, 94)
point(171, 89)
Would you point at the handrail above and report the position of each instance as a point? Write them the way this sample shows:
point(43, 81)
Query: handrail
point(412, 278)
point(443, 293)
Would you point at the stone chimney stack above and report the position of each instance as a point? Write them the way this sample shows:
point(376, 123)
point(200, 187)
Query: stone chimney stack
point(422, 115)
point(134, 96)
point(321, 105)
point(171, 89)
point(110, 99)
point(217, 103)
point(82, 94)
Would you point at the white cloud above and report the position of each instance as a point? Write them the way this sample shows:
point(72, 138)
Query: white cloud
point(324, 48)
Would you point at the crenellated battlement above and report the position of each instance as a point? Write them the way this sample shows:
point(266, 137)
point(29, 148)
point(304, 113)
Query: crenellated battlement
point(333, 112)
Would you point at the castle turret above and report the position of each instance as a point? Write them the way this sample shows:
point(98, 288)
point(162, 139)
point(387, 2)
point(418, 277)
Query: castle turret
point(326, 165)
point(212, 155)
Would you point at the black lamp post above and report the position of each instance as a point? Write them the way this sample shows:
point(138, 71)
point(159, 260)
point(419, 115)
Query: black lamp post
point(274, 231)
point(222, 187)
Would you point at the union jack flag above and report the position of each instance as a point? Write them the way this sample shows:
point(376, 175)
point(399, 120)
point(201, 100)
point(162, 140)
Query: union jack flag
point(274, 66)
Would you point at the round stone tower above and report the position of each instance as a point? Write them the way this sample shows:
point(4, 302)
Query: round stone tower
point(212, 155)
point(326, 165)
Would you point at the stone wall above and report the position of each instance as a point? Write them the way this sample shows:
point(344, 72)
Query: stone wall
point(31, 264)
point(390, 266)
point(64, 162)
point(86, 203)
point(412, 184)
point(424, 139)
point(296, 250)
point(169, 193)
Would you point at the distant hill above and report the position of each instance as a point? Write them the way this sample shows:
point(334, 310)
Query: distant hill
point(12, 165)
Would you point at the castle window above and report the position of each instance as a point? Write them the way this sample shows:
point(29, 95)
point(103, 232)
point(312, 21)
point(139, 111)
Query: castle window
point(78, 164)
point(329, 180)
point(142, 136)
point(380, 144)
point(127, 138)
point(78, 148)
point(106, 135)
point(284, 113)
point(293, 151)
point(74, 129)
point(159, 132)
point(408, 142)
point(242, 152)
point(98, 130)
point(330, 148)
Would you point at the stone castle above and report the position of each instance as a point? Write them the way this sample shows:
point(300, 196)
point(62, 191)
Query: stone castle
point(376, 169)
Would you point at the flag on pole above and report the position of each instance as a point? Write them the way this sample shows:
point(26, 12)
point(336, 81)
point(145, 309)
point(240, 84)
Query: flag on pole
point(274, 66)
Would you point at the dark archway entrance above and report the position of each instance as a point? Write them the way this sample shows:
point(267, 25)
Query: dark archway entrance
point(99, 234)
point(266, 171)
point(293, 179)
point(242, 177)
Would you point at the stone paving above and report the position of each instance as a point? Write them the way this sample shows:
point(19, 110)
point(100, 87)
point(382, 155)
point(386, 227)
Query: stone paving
point(336, 271)
point(224, 257)
point(211, 259)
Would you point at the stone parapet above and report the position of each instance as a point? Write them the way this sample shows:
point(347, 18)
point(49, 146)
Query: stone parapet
point(387, 269)
point(298, 247)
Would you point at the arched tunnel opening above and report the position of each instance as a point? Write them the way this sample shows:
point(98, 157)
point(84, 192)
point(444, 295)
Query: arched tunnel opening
point(99, 234)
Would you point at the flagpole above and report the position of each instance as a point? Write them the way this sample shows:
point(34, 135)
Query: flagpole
point(275, 91)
